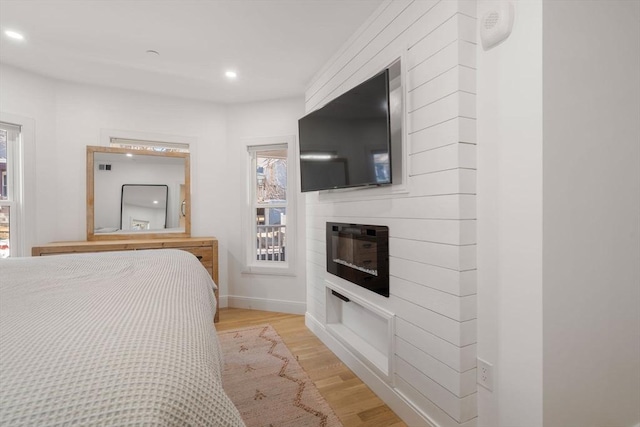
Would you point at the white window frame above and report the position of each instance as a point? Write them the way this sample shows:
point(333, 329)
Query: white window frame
point(249, 230)
point(21, 186)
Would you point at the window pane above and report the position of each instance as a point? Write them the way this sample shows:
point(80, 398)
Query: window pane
point(271, 176)
point(4, 232)
point(271, 234)
point(164, 147)
point(4, 180)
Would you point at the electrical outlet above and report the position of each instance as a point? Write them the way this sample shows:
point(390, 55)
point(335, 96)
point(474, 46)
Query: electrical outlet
point(485, 374)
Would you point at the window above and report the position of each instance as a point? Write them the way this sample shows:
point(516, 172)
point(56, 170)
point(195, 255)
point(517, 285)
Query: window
point(10, 191)
point(134, 144)
point(271, 209)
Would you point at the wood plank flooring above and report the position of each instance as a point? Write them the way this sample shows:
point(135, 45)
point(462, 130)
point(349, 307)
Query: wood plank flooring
point(354, 403)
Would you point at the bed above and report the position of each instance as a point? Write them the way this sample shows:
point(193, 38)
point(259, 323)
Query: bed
point(116, 338)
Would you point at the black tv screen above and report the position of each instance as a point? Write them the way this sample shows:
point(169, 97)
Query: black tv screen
point(346, 143)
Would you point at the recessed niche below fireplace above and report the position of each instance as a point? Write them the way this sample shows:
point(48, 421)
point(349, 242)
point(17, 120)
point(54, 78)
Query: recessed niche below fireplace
point(365, 329)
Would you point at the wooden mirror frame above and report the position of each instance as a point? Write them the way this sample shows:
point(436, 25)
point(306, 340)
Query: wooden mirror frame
point(91, 236)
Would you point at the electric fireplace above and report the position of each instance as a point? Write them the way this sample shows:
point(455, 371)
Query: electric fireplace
point(360, 254)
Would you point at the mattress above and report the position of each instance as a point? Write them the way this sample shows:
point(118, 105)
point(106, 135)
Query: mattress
point(117, 338)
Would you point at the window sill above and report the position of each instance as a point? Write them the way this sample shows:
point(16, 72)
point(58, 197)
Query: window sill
point(285, 270)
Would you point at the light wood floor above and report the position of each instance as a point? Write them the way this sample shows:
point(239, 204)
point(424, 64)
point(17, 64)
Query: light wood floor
point(353, 402)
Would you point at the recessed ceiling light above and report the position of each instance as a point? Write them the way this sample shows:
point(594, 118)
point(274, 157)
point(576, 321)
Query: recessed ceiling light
point(14, 35)
point(231, 75)
point(129, 155)
point(155, 202)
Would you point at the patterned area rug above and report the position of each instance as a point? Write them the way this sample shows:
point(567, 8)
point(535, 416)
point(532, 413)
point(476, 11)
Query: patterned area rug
point(266, 383)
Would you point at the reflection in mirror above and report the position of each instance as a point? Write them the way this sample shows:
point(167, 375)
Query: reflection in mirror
point(117, 209)
point(144, 207)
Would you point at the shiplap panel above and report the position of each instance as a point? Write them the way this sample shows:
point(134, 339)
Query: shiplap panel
point(317, 292)
point(467, 79)
point(457, 53)
point(436, 414)
point(315, 274)
point(430, 16)
point(437, 64)
point(467, 26)
point(468, 7)
point(457, 308)
point(316, 246)
point(460, 283)
point(316, 258)
point(437, 231)
point(459, 358)
point(441, 37)
point(460, 384)
point(459, 104)
point(362, 68)
point(316, 233)
point(458, 333)
point(461, 409)
point(316, 309)
point(443, 158)
point(317, 221)
point(452, 181)
point(456, 206)
point(430, 23)
point(453, 232)
point(467, 54)
point(458, 129)
point(454, 79)
point(453, 257)
point(432, 226)
point(456, 27)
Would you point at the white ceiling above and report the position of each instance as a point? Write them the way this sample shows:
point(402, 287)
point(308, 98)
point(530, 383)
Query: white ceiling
point(276, 46)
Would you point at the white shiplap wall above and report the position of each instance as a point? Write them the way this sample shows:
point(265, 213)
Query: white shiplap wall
point(432, 220)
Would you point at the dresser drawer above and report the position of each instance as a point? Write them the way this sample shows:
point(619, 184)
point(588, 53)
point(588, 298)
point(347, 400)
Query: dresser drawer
point(203, 253)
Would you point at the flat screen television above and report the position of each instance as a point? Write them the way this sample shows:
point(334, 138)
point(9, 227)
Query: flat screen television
point(347, 143)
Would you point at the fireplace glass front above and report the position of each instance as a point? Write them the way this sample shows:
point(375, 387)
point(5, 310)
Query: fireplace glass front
point(360, 254)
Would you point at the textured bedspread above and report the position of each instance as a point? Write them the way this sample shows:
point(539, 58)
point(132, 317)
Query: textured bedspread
point(119, 338)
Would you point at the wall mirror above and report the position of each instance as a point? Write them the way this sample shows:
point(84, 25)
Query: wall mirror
point(143, 207)
point(137, 194)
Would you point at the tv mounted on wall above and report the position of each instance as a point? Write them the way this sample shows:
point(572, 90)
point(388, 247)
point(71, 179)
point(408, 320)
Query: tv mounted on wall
point(347, 143)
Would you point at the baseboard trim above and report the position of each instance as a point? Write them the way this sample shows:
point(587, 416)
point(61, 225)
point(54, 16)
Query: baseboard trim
point(281, 306)
point(402, 407)
point(223, 301)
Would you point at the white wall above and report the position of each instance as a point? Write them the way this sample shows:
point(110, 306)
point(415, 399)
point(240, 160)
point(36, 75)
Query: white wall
point(83, 111)
point(509, 80)
point(558, 210)
point(431, 223)
point(591, 214)
point(33, 97)
point(248, 123)
point(69, 117)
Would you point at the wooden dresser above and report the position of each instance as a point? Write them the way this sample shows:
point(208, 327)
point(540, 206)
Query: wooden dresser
point(205, 248)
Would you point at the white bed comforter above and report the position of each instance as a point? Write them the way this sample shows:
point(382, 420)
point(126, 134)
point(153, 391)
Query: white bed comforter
point(119, 338)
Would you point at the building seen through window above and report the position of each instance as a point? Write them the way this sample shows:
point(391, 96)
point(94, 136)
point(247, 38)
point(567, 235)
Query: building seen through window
point(270, 203)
